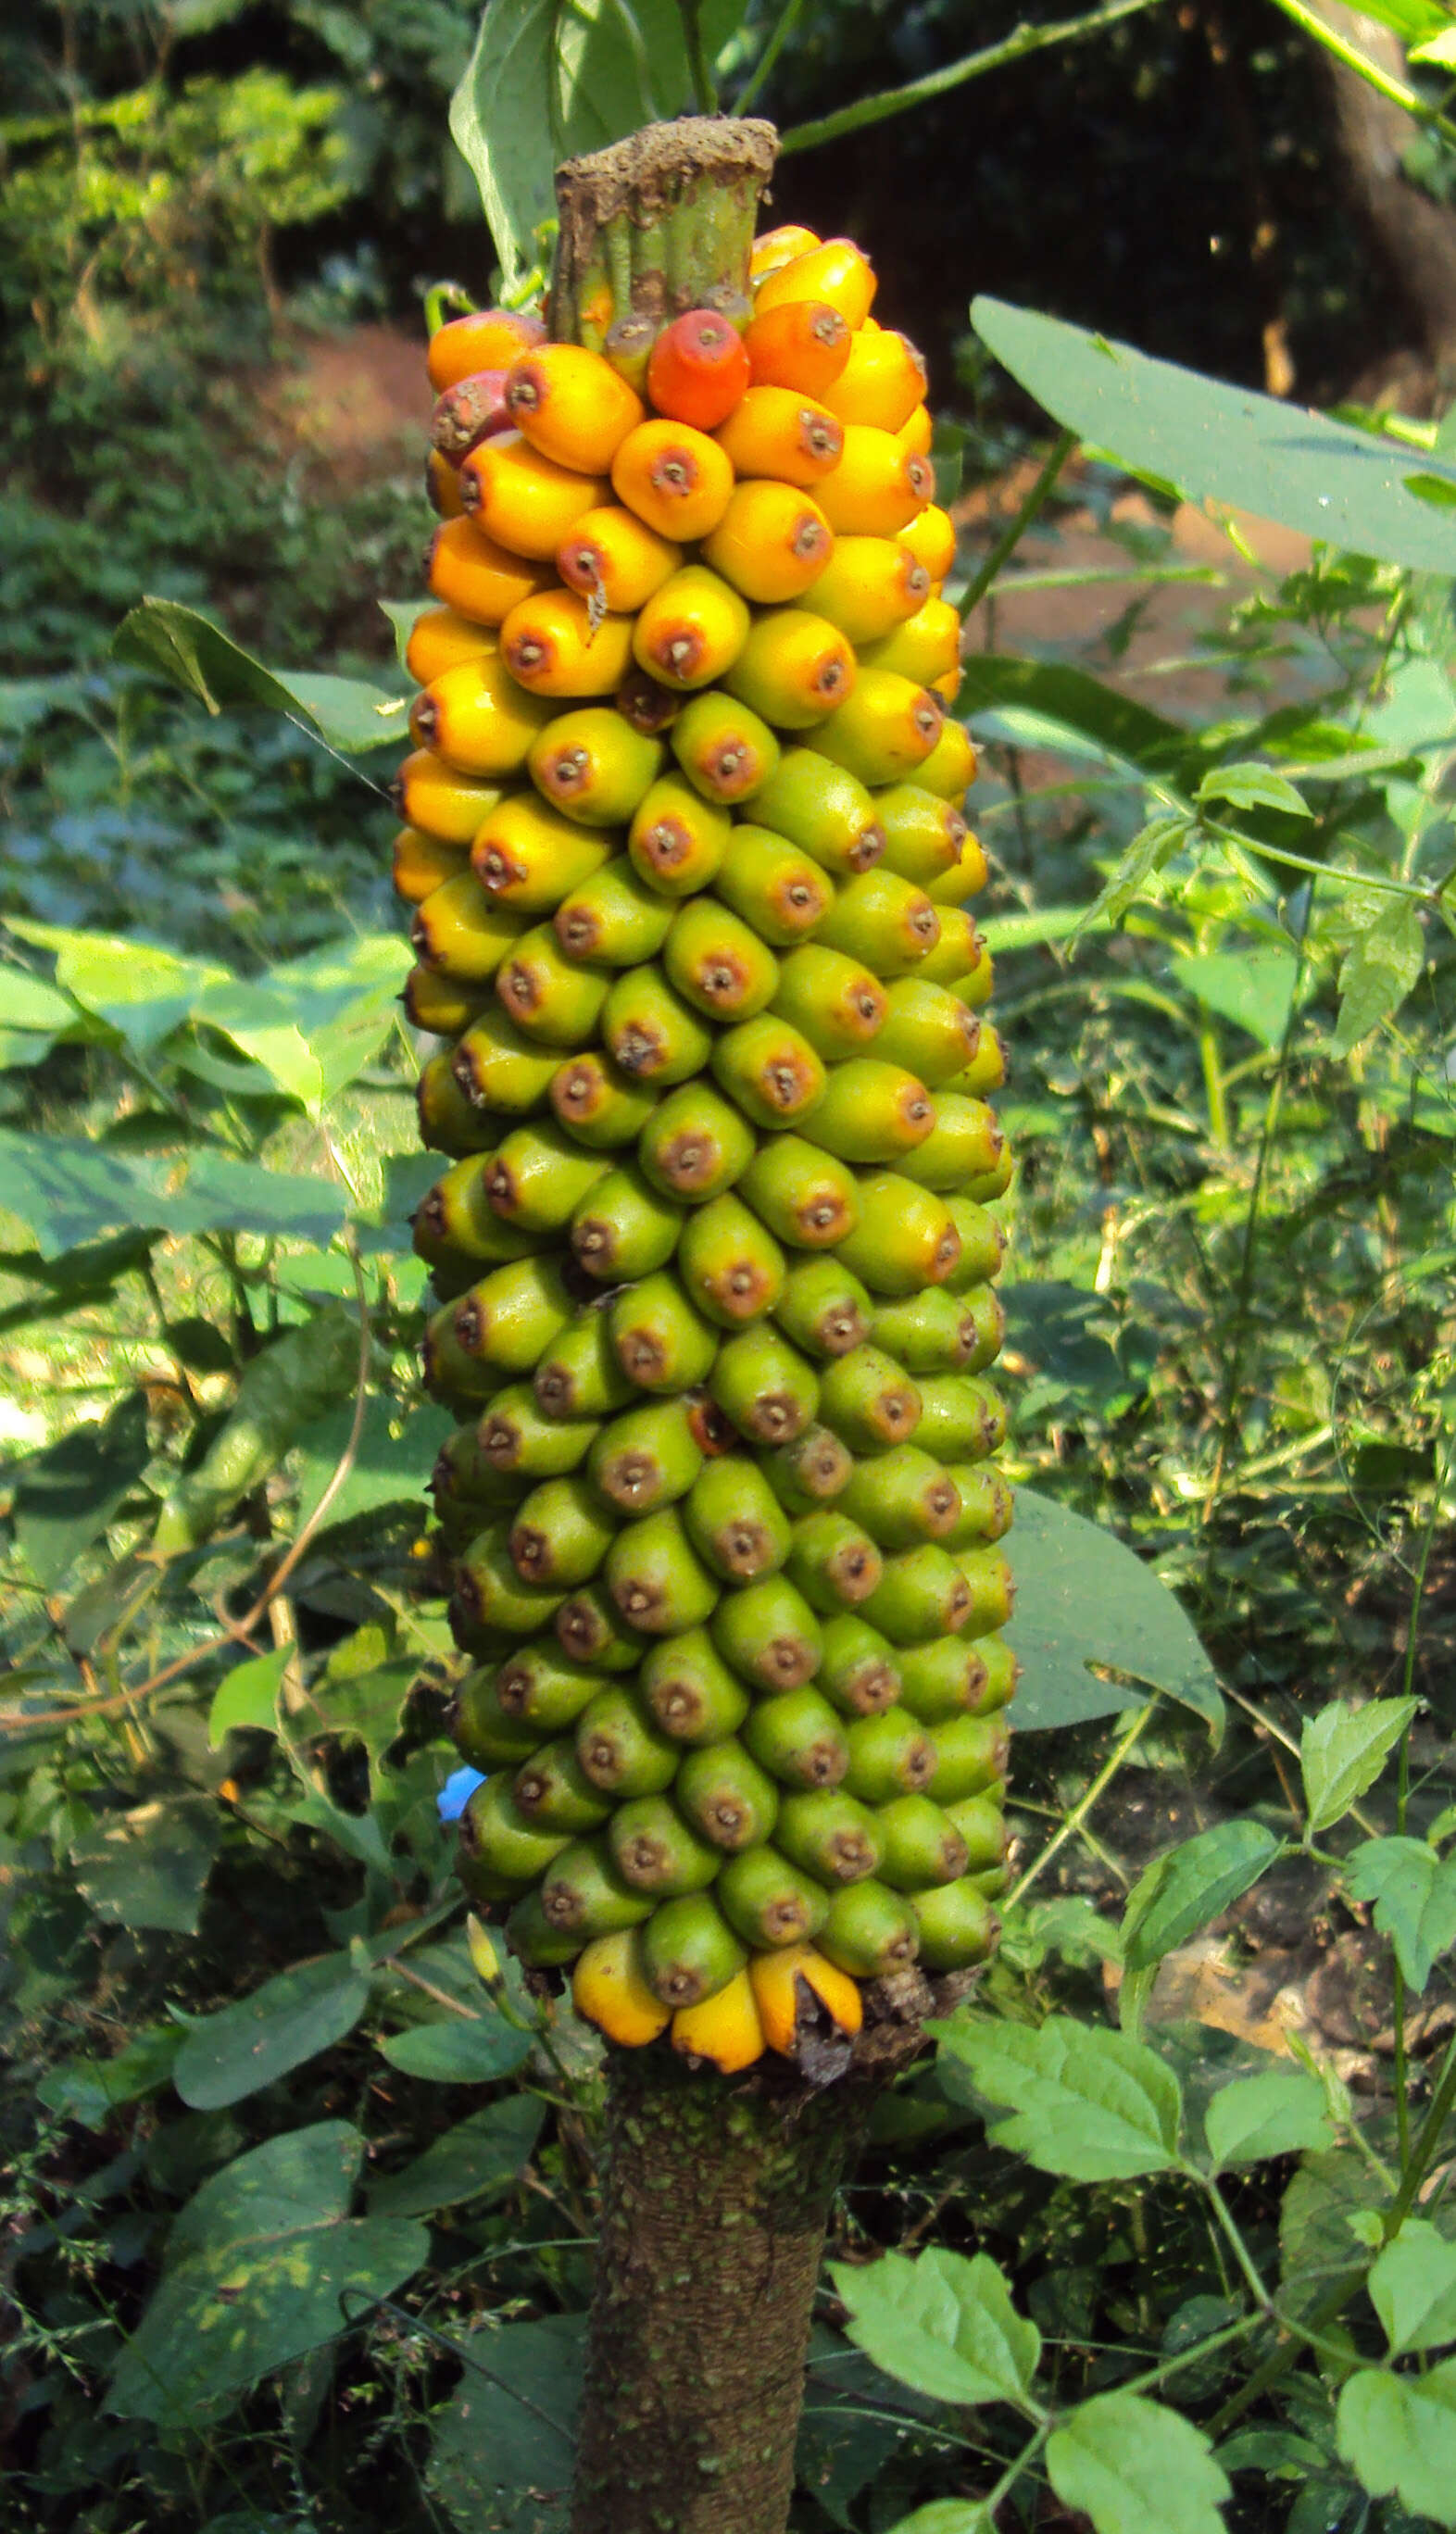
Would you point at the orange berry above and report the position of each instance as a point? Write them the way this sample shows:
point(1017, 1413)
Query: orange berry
point(608, 1989)
point(690, 629)
point(698, 370)
point(551, 646)
point(724, 2029)
point(882, 382)
point(615, 556)
point(950, 767)
point(475, 576)
point(441, 486)
point(490, 340)
point(438, 801)
point(931, 538)
point(572, 406)
point(776, 1977)
point(804, 345)
point(440, 639)
point(771, 542)
point(835, 271)
point(778, 432)
point(424, 863)
point(524, 500)
point(926, 647)
point(778, 247)
point(477, 718)
point(468, 411)
point(674, 478)
point(918, 433)
point(877, 488)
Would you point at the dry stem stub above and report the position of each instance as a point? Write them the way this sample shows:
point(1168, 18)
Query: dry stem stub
point(652, 226)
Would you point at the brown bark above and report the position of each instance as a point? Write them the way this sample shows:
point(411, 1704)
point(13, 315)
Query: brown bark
point(1415, 236)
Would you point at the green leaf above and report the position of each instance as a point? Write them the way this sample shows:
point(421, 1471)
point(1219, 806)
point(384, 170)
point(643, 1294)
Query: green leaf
point(941, 2324)
point(70, 1191)
point(1255, 987)
point(1253, 785)
point(282, 1392)
point(90, 2090)
point(263, 2265)
point(138, 989)
point(1083, 1598)
point(1398, 2434)
point(1279, 461)
point(946, 2516)
point(1342, 1750)
point(248, 1699)
point(1135, 2468)
point(396, 1452)
point(1413, 2288)
point(290, 2020)
point(178, 644)
point(1317, 2250)
point(149, 1868)
point(1414, 1891)
point(504, 2447)
point(1379, 974)
point(28, 1003)
point(1280, 2113)
point(1044, 703)
point(1178, 1893)
point(1164, 836)
point(480, 2158)
point(67, 1495)
point(1439, 51)
point(459, 2051)
point(1087, 2102)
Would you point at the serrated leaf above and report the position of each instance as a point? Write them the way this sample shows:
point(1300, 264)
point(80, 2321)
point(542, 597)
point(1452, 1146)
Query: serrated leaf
point(1379, 974)
point(1414, 1892)
point(1180, 1893)
point(941, 2324)
point(247, 1699)
point(1252, 786)
point(1342, 1750)
point(1398, 2434)
point(1087, 2102)
point(1413, 2288)
point(1164, 836)
point(290, 2020)
point(1085, 1599)
point(1135, 2468)
point(1283, 2112)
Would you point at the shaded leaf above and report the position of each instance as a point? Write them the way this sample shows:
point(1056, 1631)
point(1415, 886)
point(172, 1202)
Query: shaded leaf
point(1135, 2468)
point(1280, 2113)
point(462, 2051)
point(290, 2020)
point(478, 2159)
point(90, 2090)
point(1254, 988)
point(396, 1452)
point(1398, 2434)
point(70, 1191)
point(1342, 1750)
point(1379, 974)
point(149, 1868)
point(1083, 1598)
point(503, 2448)
point(67, 1495)
point(1087, 2102)
point(1414, 1892)
point(941, 2324)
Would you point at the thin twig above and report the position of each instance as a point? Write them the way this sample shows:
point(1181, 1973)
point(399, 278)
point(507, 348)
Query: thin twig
point(1011, 535)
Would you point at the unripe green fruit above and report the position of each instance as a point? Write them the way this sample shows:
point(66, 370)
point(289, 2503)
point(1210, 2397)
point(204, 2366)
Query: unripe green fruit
point(729, 1262)
point(764, 1385)
point(833, 1562)
point(716, 963)
point(823, 1308)
point(482, 1730)
point(879, 918)
point(735, 1521)
point(543, 1688)
point(971, 1755)
point(507, 1320)
point(905, 1236)
point(500, 1837)
point(983, 1246)
point(889, 1755)
point(620, 1747)
point(656, 1577)
point(580, 1375)
point(824, 810)
point(463, 1478)
point(964, 1145)
point(962, 1418)
point(661, 1341)
point(867, 1400)
point(767, 1634)
point(483, 1889)
point(811, 1471)
point(655, 1850)
point(987, 1070)
point(923, 834)
point(451, 1372)
point(490, 1592)
point(654, 1035)
point(461, 933)
point(859, 1674)
point(449, 1121)
point(871, 1112)
point(982, 1826)
point(598, 1104)
point(591, 1630)
point(691, 1692)
point(768, 1902)
point(941, 1332)
point(646, 1458)
point(534, 1941)
point(956, 954)
point(987, 1505)
point(595, 765)
point(516, 1435)
point(829, 1835)
point(443, 1004)
point(989, 1580)
point(625, 1226)
point(771, 1070)
point(902, 1497)
point(547, 995)
point(922, 1845)
point(922, 1594)
point(798, 1738)
point(677, 839)
point(780, 892)
point(725, 749)
point(553, 1790)
point(1001, 1670)
point(834, 1000)
point(613, 918)
point(539, 1177)
point(689, 1951)
point(694, 1145)
point(455, 1220)
point(583, 1894)
point(725, 1794)
point(560, 1534)
point(806, 1199)
point(526, 855)
point(498, 1069)
point(927, 1028)
point(955, 1926)
point(940, 1678)
point(870, 1931)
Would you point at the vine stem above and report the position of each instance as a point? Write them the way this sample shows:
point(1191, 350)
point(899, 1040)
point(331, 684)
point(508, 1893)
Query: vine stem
point(1012, 534)
point(1081, 1810)
point(705, 93)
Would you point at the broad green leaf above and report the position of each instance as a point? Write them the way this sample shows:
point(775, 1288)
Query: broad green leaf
point(65, 1497)
point(1413, 2288)
point(1398, 2434)
point(148, 1867)
point(1252, 988)
point(1282, 2112)
point(263, 1024)
point(344, 999)
point(290, 2020)
point(1414, 1891)
point(90, 2090)
point(1279, 461)
point(946, 2516)
point(1062, 707)
point(1317, 2247)
point(941, 2324)
point(178, 644)
point(480, 2158)
point(283, 1392)
point(1342, 1750)
point(1135, 2468)
point(504, 2447)
point(247, 1699)
point(1083, 1598)
point(1086, 2102)
point(396, 1452)
point(263, 2265)
point(70, 1191)
point(138, 989)
point(1439, 51)
point(1180, 1893)
point(1379, 974)
point(460, 2051)
point(29, 1003)
point(1252, 786)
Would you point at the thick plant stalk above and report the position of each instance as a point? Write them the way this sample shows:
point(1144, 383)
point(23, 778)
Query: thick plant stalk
point(650, 225)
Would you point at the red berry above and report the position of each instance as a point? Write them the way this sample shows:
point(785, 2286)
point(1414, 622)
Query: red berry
point(698, 369)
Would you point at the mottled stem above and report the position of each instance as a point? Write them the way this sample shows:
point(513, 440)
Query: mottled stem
point(651, 224)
